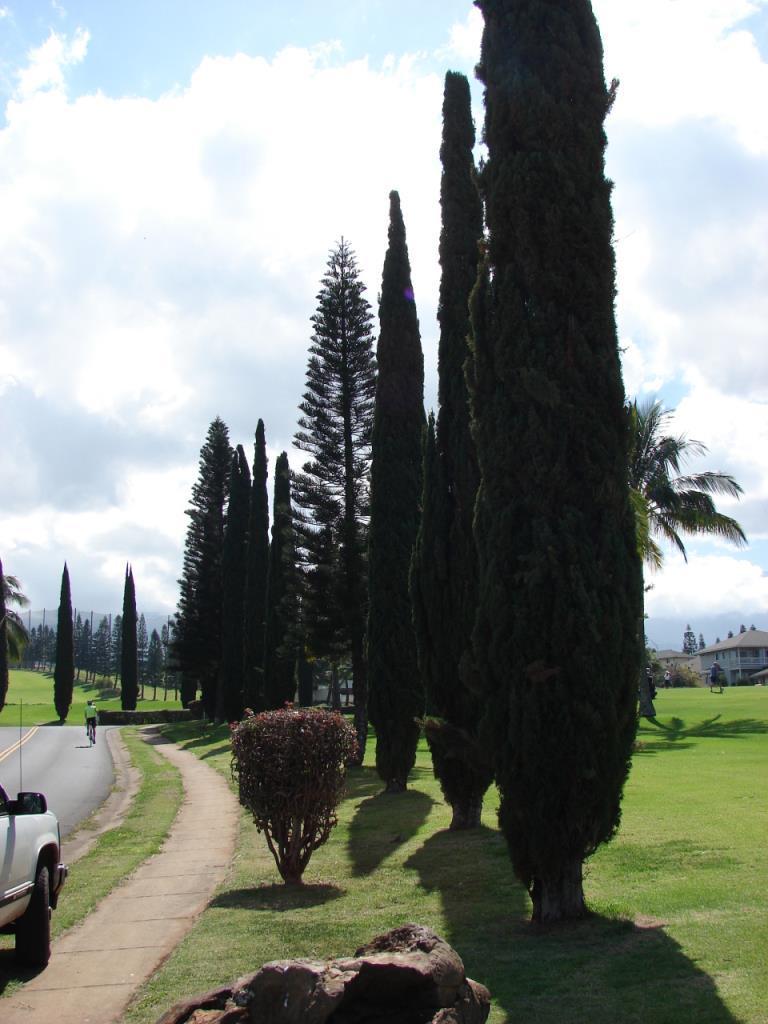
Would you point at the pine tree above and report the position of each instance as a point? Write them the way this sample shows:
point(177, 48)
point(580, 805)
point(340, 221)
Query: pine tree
point(557, 642)
point(444, 576)
point(689, 641)
point(256, 576)
point(155, 661)
point(331, 494)
point(4, 675)
point(116, 644)
point(129, 659)
point(396, 690)
point(234, 567)
point(197, 642)
point(279, 650)
point(702, 644)
point(142, 648)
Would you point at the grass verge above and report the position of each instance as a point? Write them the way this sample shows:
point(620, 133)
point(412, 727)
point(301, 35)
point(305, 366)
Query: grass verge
point(679, 899)
point(115, 854)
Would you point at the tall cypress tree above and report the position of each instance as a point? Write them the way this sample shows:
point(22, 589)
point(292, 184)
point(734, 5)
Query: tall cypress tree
point(64, 672)
point(396, 690)
point(279, 635)
point(197, 641)
point(257, 558)
point(230, 698)
point(560, 596)
point(129, 656)
point(331, 495)
point(444, 578)
point(3, 642)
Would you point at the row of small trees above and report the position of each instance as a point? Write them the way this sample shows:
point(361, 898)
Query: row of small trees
point(65, 660)
point(495, 546)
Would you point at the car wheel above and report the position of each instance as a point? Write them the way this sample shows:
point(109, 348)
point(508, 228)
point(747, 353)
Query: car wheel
point(33, 929)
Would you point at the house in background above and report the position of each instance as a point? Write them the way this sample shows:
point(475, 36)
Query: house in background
point(672, 660)
point(740, 656)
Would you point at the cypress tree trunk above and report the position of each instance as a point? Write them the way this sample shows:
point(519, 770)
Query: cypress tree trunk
point(3, 643)
point(396, 689)
point(64, 672)
point(444, 575)
point(129, 655)
point(233, 564)
point(279, 649)
point(560, 597)
point(256, 577)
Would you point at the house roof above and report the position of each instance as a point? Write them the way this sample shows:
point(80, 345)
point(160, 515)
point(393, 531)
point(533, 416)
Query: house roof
point(752, 638)
point(669, 655)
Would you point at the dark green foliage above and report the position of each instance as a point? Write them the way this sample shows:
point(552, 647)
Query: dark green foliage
point(234, 564)
point(331, 493)
point(444, 577)
point(290, 766)
point(257, 555)
point(3, 642)
point(557, 640)
point(396, 690)
point(279, 637)
point(197, 640)
point(129, 658)
point(64, 672)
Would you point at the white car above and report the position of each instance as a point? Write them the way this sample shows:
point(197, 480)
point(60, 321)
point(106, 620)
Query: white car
point(31, 874)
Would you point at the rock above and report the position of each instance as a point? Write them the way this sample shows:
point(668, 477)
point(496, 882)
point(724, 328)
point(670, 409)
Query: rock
point(408, 976)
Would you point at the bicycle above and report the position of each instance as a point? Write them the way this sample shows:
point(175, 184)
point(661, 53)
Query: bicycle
point(90, 728)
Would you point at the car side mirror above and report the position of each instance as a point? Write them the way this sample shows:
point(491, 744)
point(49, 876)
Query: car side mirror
point(31, 803)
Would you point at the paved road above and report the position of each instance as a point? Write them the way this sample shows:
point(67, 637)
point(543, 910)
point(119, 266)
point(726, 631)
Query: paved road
point(56, 760)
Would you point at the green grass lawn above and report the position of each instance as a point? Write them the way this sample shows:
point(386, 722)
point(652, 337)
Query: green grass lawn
point(32, 692)
point(679, 930)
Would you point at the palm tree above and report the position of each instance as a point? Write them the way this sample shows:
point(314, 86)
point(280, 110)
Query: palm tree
point(666, 502)
point(15, 630)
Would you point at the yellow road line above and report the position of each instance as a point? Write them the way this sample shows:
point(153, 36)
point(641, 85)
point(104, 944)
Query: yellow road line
point(19, 743)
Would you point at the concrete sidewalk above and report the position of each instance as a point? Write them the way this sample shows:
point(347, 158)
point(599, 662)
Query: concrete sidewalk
point(97, 966)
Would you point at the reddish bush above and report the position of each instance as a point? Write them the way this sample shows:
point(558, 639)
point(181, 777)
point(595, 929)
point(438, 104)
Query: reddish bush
point(290, 767)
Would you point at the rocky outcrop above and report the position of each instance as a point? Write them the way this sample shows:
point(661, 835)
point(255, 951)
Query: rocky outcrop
point(408, 976)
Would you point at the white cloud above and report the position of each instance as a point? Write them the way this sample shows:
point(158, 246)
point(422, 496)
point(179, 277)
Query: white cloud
point(464, 39)
point(707, 585)
point(683, 59)
point(48, 62)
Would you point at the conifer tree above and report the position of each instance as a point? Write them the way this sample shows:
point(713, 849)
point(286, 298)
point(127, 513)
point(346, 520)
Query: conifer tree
point(257, 556)
point(129, 659)
point(689, 641)
point(197, 641)
point(64, 672)
point(444, 577)
point(3, 642)
point(279, 635)
point(234, 564)
point(557, 641)
point(331, 494)
point(396, 690)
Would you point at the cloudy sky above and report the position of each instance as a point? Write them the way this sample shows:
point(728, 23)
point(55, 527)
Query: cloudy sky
point(173, 175)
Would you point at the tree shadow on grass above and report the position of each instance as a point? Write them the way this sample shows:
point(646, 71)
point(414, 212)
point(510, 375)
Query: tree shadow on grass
point(598, 969)
point(278, 898)
point(675, 735)
point(381, 824)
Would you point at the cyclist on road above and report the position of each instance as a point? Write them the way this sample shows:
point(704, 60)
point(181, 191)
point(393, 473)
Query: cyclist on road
point(91, 720)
